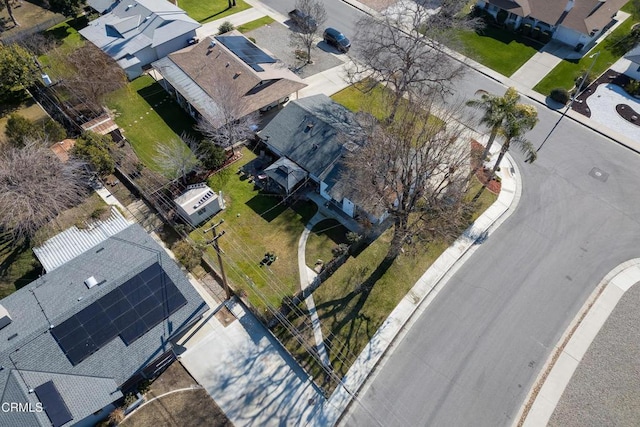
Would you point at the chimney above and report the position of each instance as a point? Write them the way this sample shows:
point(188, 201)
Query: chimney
point(91, 282)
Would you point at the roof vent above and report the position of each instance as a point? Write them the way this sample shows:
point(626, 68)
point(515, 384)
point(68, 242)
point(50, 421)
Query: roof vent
point(238, 74)
point(91, 282)
point(5, 319)
point(212, 44)
point(308, 127)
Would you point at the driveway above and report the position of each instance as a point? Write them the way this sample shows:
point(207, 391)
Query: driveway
point(248, 373)
point(602, 104)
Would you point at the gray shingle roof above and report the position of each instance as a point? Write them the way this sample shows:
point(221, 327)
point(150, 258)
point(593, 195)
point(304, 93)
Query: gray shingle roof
point(61, 293)
point(134, 25)
point(286, 173)
point(312, 132)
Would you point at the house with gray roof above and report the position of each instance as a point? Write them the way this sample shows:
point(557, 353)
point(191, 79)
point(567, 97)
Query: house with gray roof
point(577, 23)
point(227, 75)
point(135, 33)
point(315, 133)
point(74, 340)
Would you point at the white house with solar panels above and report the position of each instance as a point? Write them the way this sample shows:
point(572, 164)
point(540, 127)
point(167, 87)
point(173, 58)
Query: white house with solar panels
point(199, 203)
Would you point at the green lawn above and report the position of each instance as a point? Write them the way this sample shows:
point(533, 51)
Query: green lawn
point(256, 224)
point(67, 40)
point(148, 116)
point(498, 49)
point(356, 99)
point(205, 11)
point(565, 73)
point(260, 22)
point(324, 236)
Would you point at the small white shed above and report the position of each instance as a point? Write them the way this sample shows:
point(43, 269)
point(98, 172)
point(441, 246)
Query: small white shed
point(198, 203)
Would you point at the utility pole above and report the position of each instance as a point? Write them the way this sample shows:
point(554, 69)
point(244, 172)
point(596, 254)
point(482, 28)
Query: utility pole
point(216, 236)
point(573, 98)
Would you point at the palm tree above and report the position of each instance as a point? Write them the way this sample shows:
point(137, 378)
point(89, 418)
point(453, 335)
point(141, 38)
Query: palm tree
point(513, 131)
point(496, 109)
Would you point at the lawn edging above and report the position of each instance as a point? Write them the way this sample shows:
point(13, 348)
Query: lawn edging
point(375, 354)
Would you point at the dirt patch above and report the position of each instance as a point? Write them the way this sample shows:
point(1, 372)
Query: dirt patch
point(173, 378)
point(483, 173)
point(188, 408)
point(225, 316)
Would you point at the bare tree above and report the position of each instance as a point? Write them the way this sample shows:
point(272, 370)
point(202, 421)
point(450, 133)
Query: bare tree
point(96, 74)
point(35, 187)
point(7, 4)
point(308, 24)
point(405, 52)
point(416, 169)
point(175, 159)
point(230, 123)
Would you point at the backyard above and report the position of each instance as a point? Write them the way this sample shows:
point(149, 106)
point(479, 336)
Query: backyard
point(148, 116)
point(205, 11)
point(565, 73)
point(256, 223)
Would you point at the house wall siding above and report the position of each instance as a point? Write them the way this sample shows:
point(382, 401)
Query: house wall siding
point(173, 45)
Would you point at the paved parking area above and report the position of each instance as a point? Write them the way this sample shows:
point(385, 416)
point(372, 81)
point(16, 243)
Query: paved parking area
point(249, 374)
point(276, 39)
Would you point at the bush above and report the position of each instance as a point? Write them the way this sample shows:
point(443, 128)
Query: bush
point(584, 80)
point(116, 416)
point(187, 254)
point(560, 95)
point(339, 250)
point(129, 400)
point(353, 237)
point(252, 40)
point(225, 27)
point(95, 149)
point(501, 17)
point(633, 87)
point(19, 130)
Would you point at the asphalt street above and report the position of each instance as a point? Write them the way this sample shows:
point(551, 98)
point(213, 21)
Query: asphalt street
point(472, 356)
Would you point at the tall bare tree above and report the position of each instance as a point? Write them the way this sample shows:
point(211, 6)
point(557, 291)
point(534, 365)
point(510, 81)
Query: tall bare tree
point(35, 187)
point(308, 25)
point(175, 159)
point(230, 124)
point(96, 74)
point(416, 169)
point(7, 4)
point(404, 50)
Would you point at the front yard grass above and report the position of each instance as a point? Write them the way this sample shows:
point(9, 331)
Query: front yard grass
point(148, 116)
point(565, 73)
point(260, 22)
point(324, 236)
point(498, 49)
point(205, 11)
point(255, 223)
point(350, 319)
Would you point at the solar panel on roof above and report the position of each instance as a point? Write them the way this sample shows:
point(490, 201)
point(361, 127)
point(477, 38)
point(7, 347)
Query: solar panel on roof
point(54, 406)
point(248, 52)
point(130, 311)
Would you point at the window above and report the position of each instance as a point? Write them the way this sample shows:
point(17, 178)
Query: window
point(201, 211)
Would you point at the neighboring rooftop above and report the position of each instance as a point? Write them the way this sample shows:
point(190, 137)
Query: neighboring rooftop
point(61, 149)
point(72, 242)
point(235, 67)
point(35, 348)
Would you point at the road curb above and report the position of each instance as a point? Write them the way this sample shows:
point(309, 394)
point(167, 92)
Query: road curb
point(542, 399)
point(373, 357)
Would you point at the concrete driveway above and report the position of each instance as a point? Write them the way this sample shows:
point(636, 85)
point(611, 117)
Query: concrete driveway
point(248, 373)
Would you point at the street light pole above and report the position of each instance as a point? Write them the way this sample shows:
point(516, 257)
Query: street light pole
point(216, 236)
point(573, 98)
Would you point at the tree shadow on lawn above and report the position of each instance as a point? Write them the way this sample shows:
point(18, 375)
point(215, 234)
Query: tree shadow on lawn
point(507, 37)
point(168, 110)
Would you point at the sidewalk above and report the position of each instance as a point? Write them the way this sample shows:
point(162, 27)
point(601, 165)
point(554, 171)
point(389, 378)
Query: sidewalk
point(573, 345)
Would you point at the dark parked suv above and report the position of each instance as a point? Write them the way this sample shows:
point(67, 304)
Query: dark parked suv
point(337, 39)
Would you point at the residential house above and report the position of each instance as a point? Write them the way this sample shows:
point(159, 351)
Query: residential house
point(199, 203)
point(314, 134)
point(574, 22)
point(226, 75)
point(137, 32)
point(101, 319)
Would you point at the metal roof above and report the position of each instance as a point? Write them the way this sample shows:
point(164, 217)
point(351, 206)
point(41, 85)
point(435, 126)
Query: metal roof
point(196, 197)
point(74, 241)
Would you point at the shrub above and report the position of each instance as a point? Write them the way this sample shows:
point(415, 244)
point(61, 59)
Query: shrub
point(353, 237)
point(187, 254)
point(340, 249)
point(501, 17)
point(129, 400)
point(511, 26)
point(116, 416)
point(225, 27)
point(560, 95)
point(535, 33)
point(252, 40)
point(633, 87)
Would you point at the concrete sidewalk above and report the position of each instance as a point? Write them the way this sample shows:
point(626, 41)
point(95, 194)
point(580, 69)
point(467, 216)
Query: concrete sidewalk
point(575, 342)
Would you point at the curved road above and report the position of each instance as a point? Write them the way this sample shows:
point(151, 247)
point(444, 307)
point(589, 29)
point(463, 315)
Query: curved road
point(472, 356)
